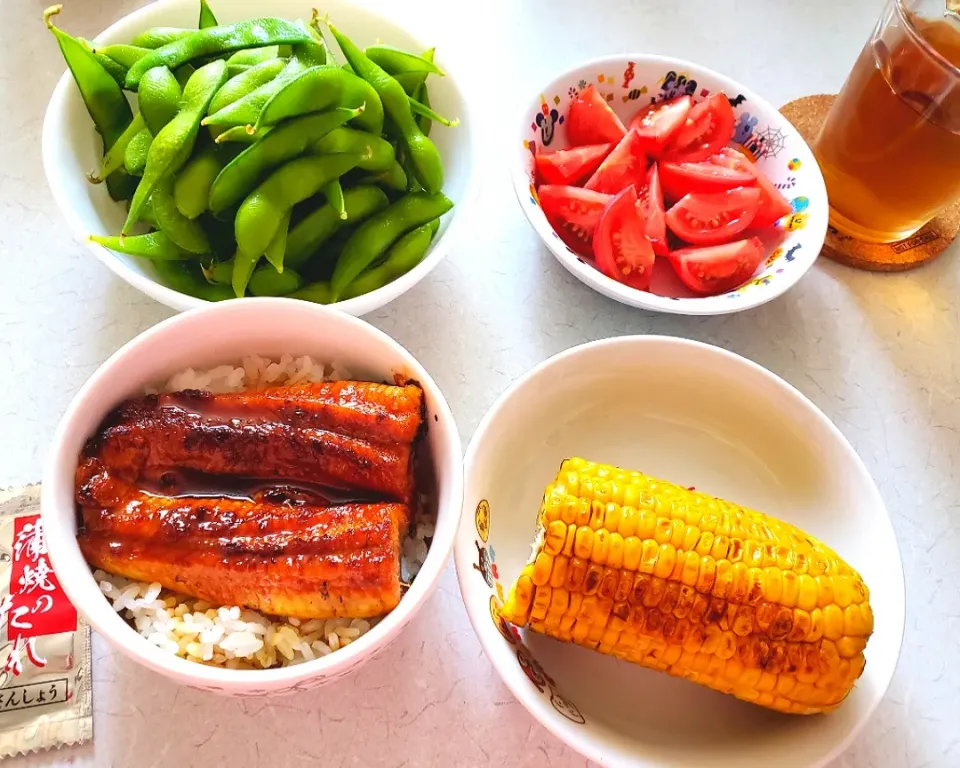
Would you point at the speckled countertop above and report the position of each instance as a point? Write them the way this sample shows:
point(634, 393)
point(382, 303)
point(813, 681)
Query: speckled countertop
point(879, 354)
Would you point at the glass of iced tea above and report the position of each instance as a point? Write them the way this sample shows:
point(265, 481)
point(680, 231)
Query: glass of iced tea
point(890, 146)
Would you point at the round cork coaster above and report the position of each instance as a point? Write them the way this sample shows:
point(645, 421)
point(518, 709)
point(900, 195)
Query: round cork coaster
point(807, 115)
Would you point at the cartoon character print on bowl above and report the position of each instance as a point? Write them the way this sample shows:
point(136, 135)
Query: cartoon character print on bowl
point(535, 673)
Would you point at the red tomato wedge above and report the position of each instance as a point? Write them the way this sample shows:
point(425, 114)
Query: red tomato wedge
point(707, 129)
point(711, 218)
point(626, 165)
point(719, 268)
point(773, 205)
point(650, 205)
point(591, 121)
point(620, 245)
point(680, 179)
point(657, 123)
point(573, 213)
point(570, 166)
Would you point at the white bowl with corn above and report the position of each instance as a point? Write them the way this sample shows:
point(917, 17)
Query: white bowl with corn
point(632, 575)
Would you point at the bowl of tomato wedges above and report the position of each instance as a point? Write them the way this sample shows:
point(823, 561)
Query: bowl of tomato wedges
point(668, 186)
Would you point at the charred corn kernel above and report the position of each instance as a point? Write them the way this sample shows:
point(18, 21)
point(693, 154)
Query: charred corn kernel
point(554, 538)
point(583, 544)
point(698, 587)
point(601, 545)
point(632, 547)
point(542, 568)
point(559, 575)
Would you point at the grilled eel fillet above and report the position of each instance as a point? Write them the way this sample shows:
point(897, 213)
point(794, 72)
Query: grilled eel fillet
point(149, 439)
point(310, 562)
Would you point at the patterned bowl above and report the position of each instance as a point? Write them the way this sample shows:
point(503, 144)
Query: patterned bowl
point(700, 416)
point(630, 82)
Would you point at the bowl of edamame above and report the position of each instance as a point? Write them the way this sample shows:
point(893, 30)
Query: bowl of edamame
point(207, 152)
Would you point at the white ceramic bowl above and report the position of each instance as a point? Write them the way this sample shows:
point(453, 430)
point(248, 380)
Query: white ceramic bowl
point(224, 333)
point(71, 147)
point(632, 81)
point(696, 415)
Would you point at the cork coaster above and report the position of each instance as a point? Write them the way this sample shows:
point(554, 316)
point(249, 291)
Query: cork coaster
point(807, 115)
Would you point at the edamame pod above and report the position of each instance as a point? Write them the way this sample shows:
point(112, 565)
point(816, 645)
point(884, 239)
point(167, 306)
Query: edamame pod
point(159, 97)
point(266, 281)
point(185, 277)
point(333, 192)
point(403, 256)
point(240, 85)
point(156, 37)
point(393, 178)
point(114, 159)
point(172, 146)
point(394, 60)
point(246, 109)
point(377, 154)
point(249, 57)
point(372, 238)
point(117, 71)
point(262, 211)
point(320, 225)
point(286, 141)
point(135, 155)
point(185, 233)
point(207, 19)
point(124, 55)
point(423, 153)
point(318, 292)
point(155, 245)
point(239, 135)
point(275, 250)
point(218, 40)
point(319, 88)
point(191, 188)
point(423, 111)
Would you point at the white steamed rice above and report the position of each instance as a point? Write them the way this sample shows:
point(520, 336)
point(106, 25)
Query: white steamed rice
point(230, 636)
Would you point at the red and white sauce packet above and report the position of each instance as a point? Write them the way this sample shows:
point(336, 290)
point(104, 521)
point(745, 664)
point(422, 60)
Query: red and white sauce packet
point(45, 683)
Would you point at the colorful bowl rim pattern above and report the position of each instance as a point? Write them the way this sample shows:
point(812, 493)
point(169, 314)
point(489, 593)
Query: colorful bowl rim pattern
point(761, 133)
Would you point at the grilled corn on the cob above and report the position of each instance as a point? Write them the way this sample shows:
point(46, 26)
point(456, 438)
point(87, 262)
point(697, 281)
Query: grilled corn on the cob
point(695, 586)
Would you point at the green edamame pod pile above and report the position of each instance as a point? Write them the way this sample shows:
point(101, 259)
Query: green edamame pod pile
point(257, 162)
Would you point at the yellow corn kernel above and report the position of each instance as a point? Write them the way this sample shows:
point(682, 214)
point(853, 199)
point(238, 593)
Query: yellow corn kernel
point(663, 530)
point(786, 558)
point(542, 568)
point(558, 576)
point(649, 556)
point(597, 514)
point(832, 622)
point(624, 586)
point(615, 551)
point(580, 631)
point(554, 537)
point(568, 541)
point(807, 597)
point(612, 521)
point(740, 584)
point(690, 538)
point(666, 561)
point(721, 544)
point(791, 589)
point(576, 573)
point(601, 542)
point(541, 603)
point(632, 547)
point(629, 517)
point(592, 581)
point(516, 608)
point(843, 590)
point(824, 591)
point(647, 524)
point(724, 579)
point(678, 534)
point(752, 553)
point(691, 568)
point(802, 624)
point(655, 591)
point(608, 584)
point(584, 510)
point(704, 543)
point(569, 509)
point(583, 544)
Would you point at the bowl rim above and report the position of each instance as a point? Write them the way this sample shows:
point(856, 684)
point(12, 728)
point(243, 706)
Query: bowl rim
point(588, 746)
point(456, 224)
point(592, 277)
point(130, 642)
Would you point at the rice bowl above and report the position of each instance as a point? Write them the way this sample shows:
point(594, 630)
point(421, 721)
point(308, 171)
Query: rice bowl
point(292, 654)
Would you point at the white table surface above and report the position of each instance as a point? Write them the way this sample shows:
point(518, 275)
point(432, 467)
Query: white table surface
point(879, 354)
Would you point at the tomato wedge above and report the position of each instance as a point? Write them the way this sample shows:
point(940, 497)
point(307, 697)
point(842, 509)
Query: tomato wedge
point(570, 166)
point(573, 213)
point(719, 268)
point(591, 121)
point(708, 128)
point(620, 245)
point(773, 205)
point(626, 165)
point(710, 218)
point(657, 123)
point(650, 205)
point(680, 179)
